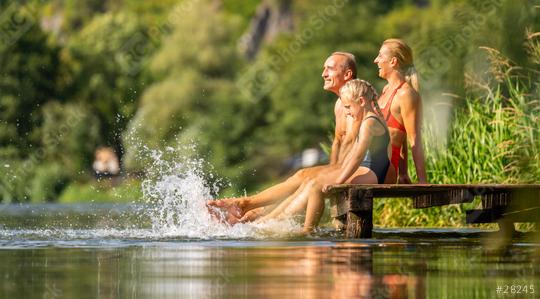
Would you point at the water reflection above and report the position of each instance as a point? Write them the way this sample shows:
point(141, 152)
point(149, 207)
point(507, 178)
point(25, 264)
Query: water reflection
point(232, 269)
point(45, 254)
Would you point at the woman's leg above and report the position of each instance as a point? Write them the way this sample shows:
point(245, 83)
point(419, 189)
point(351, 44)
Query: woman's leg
point(391, 175)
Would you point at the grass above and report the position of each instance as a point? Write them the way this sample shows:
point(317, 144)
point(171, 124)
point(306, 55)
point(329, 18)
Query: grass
point(102, 191)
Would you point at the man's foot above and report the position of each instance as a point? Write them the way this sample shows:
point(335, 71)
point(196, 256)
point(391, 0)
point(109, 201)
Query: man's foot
point(225, 210)
point(252, 215)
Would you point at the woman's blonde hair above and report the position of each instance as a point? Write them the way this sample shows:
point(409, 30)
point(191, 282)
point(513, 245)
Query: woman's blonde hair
point(357, 88)
point(403, 53)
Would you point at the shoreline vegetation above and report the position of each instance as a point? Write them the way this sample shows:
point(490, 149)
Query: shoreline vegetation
point(137, 77)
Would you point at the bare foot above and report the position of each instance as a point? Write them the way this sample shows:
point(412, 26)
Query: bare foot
point(225, 210)
point(252, 215)
point(219, 215)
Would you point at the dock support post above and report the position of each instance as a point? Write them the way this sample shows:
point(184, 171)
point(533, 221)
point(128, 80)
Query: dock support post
point(360, 214)
point(359, 224)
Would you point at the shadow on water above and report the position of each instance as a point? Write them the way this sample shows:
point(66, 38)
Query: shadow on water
point(98, 252)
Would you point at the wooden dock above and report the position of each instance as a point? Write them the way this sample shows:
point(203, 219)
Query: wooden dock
point(352, 205)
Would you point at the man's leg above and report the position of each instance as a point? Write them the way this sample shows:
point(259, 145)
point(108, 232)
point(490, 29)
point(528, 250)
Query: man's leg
point(282, 190)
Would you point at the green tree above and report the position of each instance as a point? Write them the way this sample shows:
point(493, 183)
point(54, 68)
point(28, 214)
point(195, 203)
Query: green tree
point(69, 136)
point(28, 66)
point(195, 64)
point(103, 67)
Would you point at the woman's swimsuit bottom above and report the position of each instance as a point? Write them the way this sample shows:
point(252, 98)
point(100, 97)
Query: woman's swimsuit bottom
point(392, 122)
point(377, 155)
point(396, 154)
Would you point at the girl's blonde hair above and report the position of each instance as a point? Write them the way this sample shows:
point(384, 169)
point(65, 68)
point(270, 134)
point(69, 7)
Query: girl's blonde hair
point(357, 88)
point(399, 49)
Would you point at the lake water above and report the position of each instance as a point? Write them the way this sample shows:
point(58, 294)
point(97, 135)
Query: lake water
point(121, 251)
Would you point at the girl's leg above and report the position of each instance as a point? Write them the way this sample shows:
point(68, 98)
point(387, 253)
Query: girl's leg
point(299, 204)
point(296, 203)
point(282, 190)
point(314, 209)
point(315, 205)
point(277, 212)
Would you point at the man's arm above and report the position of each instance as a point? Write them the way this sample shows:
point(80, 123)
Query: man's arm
point(336, 144)
point(411, 111)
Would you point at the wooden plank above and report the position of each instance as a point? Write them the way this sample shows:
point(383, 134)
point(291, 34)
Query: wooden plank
point(387, 190)
point(361, 200)
point(490, 201)
point(438, 195)
point(442, 198)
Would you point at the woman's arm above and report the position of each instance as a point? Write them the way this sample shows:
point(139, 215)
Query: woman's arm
point(411, 112)
point(403, 168)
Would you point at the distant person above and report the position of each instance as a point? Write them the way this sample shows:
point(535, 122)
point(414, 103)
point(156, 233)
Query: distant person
point(402, 107)
point(105, 162)
point(338, 69)
point(366, 163)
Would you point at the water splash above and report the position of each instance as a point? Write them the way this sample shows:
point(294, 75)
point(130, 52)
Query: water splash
point(177, 190)
point(176, 187)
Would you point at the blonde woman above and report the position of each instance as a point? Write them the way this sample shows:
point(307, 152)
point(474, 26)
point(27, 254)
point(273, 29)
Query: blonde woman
point(402, 108)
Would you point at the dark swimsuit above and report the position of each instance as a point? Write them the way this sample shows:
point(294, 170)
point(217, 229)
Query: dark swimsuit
point(377, 155)
point(392, 122)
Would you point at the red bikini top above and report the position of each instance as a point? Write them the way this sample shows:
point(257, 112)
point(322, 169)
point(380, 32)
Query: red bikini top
point(391, 121)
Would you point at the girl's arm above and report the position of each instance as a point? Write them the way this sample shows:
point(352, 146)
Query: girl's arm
point(358, 152)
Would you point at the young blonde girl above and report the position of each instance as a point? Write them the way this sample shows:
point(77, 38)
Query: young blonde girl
point(366, 163)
